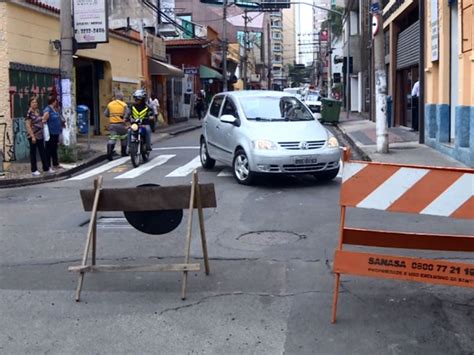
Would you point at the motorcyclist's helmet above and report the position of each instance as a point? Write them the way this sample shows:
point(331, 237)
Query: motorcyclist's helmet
point(139, 94)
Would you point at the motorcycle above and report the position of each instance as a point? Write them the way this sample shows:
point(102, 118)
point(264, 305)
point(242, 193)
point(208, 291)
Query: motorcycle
point(137, 145)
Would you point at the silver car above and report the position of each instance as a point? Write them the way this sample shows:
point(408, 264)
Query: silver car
point(259, 132)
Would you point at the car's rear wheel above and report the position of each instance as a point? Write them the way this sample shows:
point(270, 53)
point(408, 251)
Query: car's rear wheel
point(206, 161)
point(241, 168)
point(327, 175)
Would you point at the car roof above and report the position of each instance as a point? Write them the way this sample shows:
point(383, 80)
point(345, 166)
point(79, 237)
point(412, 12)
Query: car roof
point(256, 93)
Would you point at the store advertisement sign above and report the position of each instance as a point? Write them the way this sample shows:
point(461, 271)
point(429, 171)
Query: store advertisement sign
point(434, 31)
point(90, 21)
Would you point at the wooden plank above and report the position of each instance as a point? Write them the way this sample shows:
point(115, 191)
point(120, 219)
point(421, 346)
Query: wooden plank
point(90, 232)
point(403, 268)
point(187, 247)
point(136, 268)
point(148, 198)
point(387, 239)
point(202, 229)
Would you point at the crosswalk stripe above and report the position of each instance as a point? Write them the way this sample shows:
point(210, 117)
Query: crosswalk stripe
point(177, 148)
point(159, 160)
point(101, 169)
point(186, 169)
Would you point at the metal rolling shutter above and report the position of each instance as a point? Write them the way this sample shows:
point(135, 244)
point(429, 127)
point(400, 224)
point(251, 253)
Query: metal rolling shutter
point(408, 46)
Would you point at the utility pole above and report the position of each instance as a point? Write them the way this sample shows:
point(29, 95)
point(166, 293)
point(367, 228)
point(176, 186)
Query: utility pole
point(329, 62)
point(246, 44)
point(348, 62)
point(224, 46)
point(380, 80)
point(68, 98)
point(269, 40)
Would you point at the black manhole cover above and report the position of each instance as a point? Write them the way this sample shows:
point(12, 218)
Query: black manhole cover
point(270, 237)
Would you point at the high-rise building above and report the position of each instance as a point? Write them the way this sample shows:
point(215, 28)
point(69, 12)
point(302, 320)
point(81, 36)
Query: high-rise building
point(288, 49)
point(276, 26)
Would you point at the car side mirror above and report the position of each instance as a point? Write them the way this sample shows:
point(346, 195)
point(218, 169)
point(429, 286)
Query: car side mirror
point(229, 119)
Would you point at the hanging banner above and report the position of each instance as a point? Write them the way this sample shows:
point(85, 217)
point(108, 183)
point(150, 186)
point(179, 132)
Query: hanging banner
point(90, 21)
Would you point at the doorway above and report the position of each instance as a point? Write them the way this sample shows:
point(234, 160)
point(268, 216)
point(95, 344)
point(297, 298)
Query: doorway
point(88, 73)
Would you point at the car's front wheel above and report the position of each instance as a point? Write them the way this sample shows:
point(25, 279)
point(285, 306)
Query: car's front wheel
point(327, 175)
point(206, 161)
point(241, 168)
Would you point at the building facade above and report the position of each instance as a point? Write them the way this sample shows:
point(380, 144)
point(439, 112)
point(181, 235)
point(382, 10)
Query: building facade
point(449, 78)
point(29, 66)
point(277, 42)
point(288, 49)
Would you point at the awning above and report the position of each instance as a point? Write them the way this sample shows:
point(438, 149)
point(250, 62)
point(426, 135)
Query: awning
point(209, 73)
point(159, 68)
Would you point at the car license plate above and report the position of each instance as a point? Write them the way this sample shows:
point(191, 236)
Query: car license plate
point(305, 161)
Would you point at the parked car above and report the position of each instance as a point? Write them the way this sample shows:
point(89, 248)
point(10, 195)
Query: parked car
point(313, 100)
point(266, 132)
point(298, 92)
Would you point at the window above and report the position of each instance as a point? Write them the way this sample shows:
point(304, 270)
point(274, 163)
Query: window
point(229, 108)
point(277, 58)
point(276, 35)
point(277, 47)
point(216, 106)
point(467, 30)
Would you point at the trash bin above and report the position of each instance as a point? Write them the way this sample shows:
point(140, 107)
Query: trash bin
point(83, 119)
point(330, 110)
point(389, 111)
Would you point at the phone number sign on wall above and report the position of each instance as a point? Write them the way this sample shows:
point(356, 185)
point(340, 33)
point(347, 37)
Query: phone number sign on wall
point(90, 21)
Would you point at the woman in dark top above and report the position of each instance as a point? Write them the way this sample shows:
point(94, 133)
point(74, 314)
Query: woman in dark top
point(52, 117)
point(34, 127)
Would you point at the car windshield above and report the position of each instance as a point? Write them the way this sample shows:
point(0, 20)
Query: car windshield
point(272, 108)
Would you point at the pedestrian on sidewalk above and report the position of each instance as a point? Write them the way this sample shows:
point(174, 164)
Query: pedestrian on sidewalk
point(199, 105)
point(52, 118)
point(154, 103)
point(34, 127)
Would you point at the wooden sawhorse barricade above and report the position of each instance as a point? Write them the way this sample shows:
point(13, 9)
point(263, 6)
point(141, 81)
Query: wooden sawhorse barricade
point(422, 190)
point(149, 198)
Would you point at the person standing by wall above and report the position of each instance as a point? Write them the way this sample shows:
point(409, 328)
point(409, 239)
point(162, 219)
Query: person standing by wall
point(34, 127)
point(52, 118)
point(415, 94)
point(199, 105)
point(154, 103)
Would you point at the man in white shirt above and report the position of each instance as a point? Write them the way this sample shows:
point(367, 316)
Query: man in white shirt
point(416, 89)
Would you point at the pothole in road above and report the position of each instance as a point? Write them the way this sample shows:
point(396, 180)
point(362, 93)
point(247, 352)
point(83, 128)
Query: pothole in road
point(270, 237)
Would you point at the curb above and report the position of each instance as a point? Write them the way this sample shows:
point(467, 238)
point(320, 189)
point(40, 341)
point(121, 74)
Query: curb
point(184, 130)
point(354, 146)
point(67, 174)
point(51, 178)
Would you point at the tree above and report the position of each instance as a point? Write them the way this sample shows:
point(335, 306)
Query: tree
point(335, 21)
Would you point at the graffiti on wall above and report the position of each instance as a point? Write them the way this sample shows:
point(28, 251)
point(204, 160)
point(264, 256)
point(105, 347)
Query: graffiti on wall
point(25, 82)
point(8, 148)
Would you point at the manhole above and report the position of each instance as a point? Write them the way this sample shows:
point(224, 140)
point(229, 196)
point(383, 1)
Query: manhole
point(270, 237)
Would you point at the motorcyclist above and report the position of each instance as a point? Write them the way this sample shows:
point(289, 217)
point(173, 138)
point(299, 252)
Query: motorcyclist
point(143, 112)
point(116, 111)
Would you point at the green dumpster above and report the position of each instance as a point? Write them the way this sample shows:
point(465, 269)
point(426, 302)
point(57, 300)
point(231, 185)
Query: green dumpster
point(330, 110)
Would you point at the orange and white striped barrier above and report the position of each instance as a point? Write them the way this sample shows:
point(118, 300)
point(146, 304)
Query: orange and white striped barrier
point(447, 192)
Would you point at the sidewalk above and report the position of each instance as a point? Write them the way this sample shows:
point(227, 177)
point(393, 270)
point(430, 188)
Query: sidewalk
point(403, 144)
point(89, 153)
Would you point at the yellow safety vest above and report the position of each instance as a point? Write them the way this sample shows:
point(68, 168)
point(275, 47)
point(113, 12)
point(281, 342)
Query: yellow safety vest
point(116, 111)
point(140, 115)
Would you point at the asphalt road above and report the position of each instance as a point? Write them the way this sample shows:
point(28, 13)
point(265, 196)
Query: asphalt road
point(269, 291)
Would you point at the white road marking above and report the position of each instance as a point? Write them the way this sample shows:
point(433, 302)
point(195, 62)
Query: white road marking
point(341, 169)
point(142, 169)
point(177, 148)
point(186, 169)
point(453, 198)
point(394, 187)
point(101, 169)
point(225, 172)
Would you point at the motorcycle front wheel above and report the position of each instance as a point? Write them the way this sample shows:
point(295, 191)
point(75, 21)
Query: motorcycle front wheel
point(134, 154)
point(145, 153)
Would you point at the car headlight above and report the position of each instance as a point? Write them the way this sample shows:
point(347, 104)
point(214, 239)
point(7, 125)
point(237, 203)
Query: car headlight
point(333, 143)
point(134, 127)
point(263, 144)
